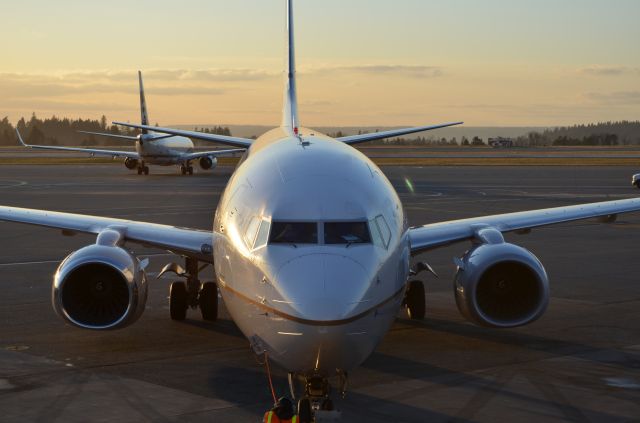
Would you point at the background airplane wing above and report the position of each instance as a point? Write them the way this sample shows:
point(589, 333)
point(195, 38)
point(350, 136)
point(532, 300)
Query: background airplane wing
point(182, 241)
point(213, 153)
point(92, 151)
point(356, 139)
point(222, 139)
point(436, 235)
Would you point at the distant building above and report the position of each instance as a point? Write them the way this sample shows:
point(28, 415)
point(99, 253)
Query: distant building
point(501, 142)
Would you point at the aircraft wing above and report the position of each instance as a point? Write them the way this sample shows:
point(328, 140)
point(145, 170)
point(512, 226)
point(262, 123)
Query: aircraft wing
point(214, 153)
point(92, 151)
point(436, 235)
point(222, 139)
point(188, 242)
point(357, 139)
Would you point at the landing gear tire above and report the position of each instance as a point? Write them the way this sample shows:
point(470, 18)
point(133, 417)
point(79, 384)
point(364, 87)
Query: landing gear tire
point(638, 184)
point(415, 301)
point(146, 170)
point(178, 301)
point(208, 301)
point(305, 413)
point(190, 170)
point(183, 170)
point(140, 171)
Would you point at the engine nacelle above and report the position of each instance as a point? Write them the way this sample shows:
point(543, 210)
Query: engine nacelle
point(207, 163)
point(501, 285)
point(131, 163)
point(100, 287)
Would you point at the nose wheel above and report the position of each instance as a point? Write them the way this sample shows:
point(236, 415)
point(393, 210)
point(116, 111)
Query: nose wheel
point(316, 404)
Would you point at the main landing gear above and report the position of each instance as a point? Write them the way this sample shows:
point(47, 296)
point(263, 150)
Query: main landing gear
point(414, 297)
point(143, 169)
point(186, 169)
point(316, 400)
point(191, 293)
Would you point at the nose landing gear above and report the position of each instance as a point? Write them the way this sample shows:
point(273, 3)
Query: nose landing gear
point(316, 405)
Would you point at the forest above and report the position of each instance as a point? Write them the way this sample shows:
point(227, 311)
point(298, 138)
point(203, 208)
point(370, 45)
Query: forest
point(64, 131)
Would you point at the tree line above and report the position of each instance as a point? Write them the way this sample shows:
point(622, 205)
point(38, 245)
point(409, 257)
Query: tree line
point(64, 131)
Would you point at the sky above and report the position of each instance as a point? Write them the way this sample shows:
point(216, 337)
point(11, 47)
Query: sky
point(360, 62)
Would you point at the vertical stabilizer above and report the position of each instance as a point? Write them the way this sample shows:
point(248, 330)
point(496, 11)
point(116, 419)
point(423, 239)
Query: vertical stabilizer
point(290, 109)
point(144, 115)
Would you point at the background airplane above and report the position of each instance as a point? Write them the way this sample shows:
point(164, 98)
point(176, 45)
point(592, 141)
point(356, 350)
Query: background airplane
point(151, 147)
point(311, 251)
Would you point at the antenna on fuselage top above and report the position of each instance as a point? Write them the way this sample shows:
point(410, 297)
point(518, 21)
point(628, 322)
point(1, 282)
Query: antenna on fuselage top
point(290, 108)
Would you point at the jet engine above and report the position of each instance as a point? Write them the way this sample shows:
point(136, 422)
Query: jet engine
point(100, 287)
point(207, 163)
point(130, 163)
point(501, 285)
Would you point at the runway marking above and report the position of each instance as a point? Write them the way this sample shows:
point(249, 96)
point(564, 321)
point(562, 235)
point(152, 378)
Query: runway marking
point(13, 184)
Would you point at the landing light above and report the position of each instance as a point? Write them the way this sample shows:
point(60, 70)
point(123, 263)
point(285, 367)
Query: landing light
point(409, 185)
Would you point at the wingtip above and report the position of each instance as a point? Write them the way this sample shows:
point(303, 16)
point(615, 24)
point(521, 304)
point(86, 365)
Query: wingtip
point(20, 140)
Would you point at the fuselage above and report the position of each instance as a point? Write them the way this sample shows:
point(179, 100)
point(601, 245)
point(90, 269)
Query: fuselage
point(313, 251)
point(164, 152)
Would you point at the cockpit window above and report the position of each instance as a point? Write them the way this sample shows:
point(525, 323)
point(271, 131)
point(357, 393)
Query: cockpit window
point(250, 233)
point(346, 233)
point(263, 234)
point(294, 233)
point(385, 232)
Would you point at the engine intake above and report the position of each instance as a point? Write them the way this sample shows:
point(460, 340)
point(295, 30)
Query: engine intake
point(100, 287)
point(207, 163)
point(501, 286)
point(130, 163)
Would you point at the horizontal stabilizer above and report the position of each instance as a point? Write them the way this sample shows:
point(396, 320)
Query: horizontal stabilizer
point(357, 139)
point(104, 134)
point(222, 139)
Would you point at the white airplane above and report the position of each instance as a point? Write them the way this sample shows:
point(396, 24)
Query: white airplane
point(152, 147)
point(311, 250)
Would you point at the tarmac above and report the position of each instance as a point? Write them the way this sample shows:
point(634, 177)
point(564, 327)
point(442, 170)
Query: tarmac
point(580, 362)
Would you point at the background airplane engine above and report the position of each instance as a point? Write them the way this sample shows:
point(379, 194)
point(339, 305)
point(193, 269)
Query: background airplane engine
point(207, 163)
point(501, 286)
point(100, 287)
point(130, 163)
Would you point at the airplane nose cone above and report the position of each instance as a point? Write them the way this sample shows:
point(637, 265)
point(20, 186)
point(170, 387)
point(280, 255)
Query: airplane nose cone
point(322, 287)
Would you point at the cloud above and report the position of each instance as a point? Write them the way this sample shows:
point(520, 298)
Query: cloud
point(186, 82)
point(615, 98)
point(598, 70)
point(410, 71)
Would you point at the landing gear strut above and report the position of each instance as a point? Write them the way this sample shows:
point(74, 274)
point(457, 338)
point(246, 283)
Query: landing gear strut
point(191, 293)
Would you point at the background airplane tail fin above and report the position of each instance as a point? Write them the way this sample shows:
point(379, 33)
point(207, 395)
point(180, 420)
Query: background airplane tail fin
point(290, 109)
point(144, 115)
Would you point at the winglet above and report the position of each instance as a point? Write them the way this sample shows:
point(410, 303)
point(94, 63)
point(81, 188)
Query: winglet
point(144, 115)
point(21, 140)
point(290, 118)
